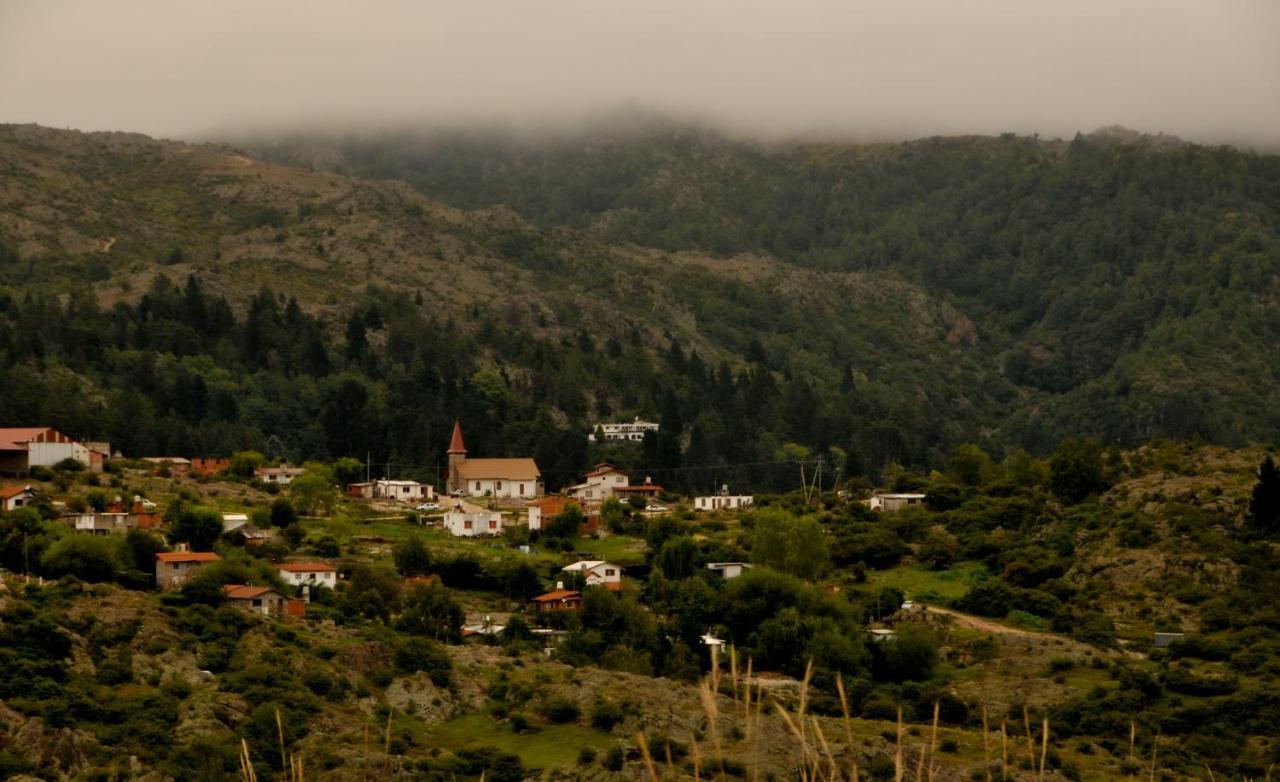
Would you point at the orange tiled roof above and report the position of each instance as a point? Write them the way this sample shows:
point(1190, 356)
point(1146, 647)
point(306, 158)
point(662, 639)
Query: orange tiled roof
point(188, 556)
point(307, 567)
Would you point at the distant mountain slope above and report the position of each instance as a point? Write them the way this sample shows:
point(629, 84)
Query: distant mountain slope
point(1137, 278)
point(100, 232)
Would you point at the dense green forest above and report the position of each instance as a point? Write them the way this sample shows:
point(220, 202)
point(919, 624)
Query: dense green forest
point(1135, 278)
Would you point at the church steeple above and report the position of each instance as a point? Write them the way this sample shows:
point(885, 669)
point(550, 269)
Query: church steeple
point(455, 444)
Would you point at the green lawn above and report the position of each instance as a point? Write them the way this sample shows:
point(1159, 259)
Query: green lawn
point(553, 745)
point(920, 583)
point(618, 549)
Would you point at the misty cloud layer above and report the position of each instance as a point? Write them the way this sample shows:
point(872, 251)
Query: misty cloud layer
point(1203, 69)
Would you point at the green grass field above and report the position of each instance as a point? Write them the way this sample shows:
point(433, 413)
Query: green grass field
point(920, 583)
point(552, 745)
point(619, 549)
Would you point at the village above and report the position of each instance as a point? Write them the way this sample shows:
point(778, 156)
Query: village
point(500, 500)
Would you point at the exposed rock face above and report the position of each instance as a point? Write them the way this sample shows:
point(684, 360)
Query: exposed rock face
point(60, 754)
point(417, 695)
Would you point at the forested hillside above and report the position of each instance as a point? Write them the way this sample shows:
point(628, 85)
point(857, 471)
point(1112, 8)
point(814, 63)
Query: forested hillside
point(1133, 279)
point(869, 304)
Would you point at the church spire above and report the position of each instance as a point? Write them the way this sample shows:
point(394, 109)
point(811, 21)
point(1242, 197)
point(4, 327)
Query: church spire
point(455, 444)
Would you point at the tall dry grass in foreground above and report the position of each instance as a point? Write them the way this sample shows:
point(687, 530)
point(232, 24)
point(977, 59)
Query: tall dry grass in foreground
point(817, 762)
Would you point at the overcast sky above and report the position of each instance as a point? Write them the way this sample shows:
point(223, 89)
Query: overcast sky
point(1202, 69)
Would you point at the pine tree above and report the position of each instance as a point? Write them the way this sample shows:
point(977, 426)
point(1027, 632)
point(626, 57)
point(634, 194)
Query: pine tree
point(1264, 506)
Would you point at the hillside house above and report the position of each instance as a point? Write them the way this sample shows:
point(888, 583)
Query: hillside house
point(723, 501)
point(282, 475)
point(465, 520)
point(559, 599)
point(234, 521)
point(308, 574)
point(729, 570)
point(893, 502)
point(506, 478)
point(209, 466)
point(173, 568)
point(542, 510)
point(14, 497)
point(597, 573)
point(647, 491)
point(256, 599)
point(40, 446)
point(622, 432)
point(599, 485)
point(114, 520)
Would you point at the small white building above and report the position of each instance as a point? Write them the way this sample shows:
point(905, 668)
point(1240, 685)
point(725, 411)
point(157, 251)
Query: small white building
point(234, 521)
point(724, 501)
point(729, 569)
point(542, 510)
point(401, 490)
point(597, 573)
point(892, 502)
point(631, 432)
point(465, 520)
point(281, 475)
point(308, 574)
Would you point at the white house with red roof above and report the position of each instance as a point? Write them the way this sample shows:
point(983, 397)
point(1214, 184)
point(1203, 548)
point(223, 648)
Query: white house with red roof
point(308, 574)
point(256, 599)
point(14, 497)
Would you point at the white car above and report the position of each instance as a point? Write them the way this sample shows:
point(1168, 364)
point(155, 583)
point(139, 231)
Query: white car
point(426, 506)
point(654, 509)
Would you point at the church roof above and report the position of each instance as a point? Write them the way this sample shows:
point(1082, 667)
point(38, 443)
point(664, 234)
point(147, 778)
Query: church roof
point(523, 469)
point(455, 443)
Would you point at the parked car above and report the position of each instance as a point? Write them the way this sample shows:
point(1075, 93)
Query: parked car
point(427, 506)
point(654, 509)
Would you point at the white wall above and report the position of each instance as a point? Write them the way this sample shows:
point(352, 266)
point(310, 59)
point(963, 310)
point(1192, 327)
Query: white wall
point(49, 454)
point(719, 502)
point(322, 578)
point(493, 487)
point(482, 523)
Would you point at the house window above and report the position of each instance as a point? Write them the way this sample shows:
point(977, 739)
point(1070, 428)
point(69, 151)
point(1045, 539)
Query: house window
point(493, 524)
point(497, 486)
point(608, 571)
point(522, 490)
point(257, 602)
point(466, 525)
point(477, 485)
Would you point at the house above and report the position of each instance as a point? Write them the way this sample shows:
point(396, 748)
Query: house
point(559, 599)
point(600, 484)
point(14, 497)
point(401, 491)
point(256, 599)
point(99, 453)
point(892, 502)
point(141, 515)
point(1165, 640)
point(541, 511)
point(723, 501)
point(508, 478)
point(597, 573)
point(648, 491)
point(282, 475)
point(308, 574)
point(207, 466)
point(627, 432)
point(175, 567)
point(465, 520)
point(729, 569)
point(39, 446)
point(234, 521)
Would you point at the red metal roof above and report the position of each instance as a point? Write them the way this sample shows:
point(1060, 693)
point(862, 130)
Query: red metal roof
point(559, 594)
point(9, 492)
point(246, 591)
point(17, 439)
point(455, 443)
point(307, 567)
point(188, 556)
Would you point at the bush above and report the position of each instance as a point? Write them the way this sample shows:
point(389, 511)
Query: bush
point(422, 654)
point(613, 759)
point(87, 557)
point(560, 710)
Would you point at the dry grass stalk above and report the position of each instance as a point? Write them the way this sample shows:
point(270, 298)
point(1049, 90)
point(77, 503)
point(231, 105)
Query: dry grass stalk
point(713, 714)
point(733, 674)
point(986, 743)
point(1044, 745)
point(648, 759)
point(671, 766)
point(1155, 744)
point(280, 735)
point(848, 729)
point(804, 694)
point(826, 749)
point(697, 758)
point(1004, 750)
point(933, 738)
point(1133, 734)
point(746, 699)
point(897, 758)
point(247, 774)
point(1031, 742)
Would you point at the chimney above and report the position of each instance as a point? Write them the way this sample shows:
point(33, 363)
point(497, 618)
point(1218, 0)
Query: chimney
point(559, 585)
